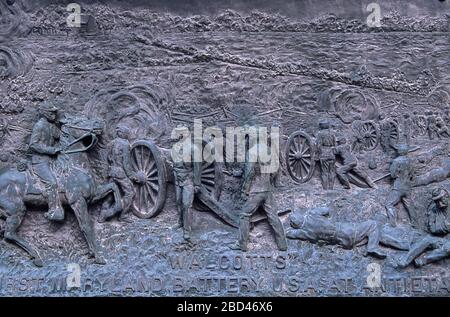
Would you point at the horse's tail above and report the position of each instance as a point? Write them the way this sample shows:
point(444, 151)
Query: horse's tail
point(10, 176)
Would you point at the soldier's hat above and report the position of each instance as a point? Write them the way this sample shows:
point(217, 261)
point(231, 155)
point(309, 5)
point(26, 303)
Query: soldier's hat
point(47, 106)
point(123, 127)
point(341, 139)
point(178, 132)
point(402, 148)
point(324, 124)
point(438, 193)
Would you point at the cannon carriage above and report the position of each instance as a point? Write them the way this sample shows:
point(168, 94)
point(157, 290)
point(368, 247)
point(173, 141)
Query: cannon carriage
point(145, 109)
point(151, 165)
point(301, 154)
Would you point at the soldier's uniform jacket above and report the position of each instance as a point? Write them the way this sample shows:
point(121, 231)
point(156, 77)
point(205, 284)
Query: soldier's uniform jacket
point(437, 221)
point(117, 158)
point(259, 177)
point(441, 125)
point(186, 172)
point(345, 152)
point(326, 142)
point(43, 141)
point(401, 170)
point(385, 127)
point(431, 120)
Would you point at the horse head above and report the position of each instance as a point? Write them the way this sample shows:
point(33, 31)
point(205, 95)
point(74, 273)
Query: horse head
point(80, 134)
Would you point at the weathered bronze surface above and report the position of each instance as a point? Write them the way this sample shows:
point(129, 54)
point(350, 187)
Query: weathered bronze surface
point(97, 199)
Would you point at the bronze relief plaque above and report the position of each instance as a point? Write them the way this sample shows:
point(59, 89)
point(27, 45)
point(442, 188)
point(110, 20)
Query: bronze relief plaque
point(187, 148)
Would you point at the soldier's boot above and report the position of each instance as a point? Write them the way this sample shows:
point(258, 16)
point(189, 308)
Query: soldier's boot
point(244, 231)
point(371, 184)
point(392, 215)
point(187, 236)
point(124, 213)
point(124, 217)
point(376, 252)
point(237, 246)
point(419, 262)
point(343, 178)
point(282, 244)
point(369, 181)
point(105, 214)
point(402, 261)
point(55, 209)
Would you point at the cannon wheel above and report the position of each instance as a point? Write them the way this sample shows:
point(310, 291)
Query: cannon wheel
point(211, 179)
point(370, 135)
point(438, 98)
point(150, 187)
point(394, 133)
point(422, 125)
point(299, 157)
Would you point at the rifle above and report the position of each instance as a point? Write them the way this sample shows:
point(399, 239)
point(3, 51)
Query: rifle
point(389, 174)
point(382, 177)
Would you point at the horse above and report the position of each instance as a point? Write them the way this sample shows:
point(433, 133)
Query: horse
point(77, 188)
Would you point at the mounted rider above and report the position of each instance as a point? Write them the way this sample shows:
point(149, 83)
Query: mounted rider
point(43, 144)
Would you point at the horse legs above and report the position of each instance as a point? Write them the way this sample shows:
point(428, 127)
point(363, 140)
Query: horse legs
point(102, 192)
point(13, 221)
point(80, 209)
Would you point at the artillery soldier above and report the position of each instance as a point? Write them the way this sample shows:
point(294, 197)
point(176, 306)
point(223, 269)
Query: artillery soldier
point(402, 171)
point(446, 116)
point(406, 127)
point(441, 127)
point(385, 133)
point(120, 172)
point(419, 124)
point(187, 177)
point(326, 141)
point(257, 191)
point(43, 144)
point(431, 125)
point(438, 227)
point(350, 164)
point(438, 213)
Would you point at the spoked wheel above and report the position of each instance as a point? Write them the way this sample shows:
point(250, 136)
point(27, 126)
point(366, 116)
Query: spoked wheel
point(369, 135)
point(299, 157)
point(211, 179)
point(150, 186)
point(394, 133)
point(422, 125)
point(438, 98)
